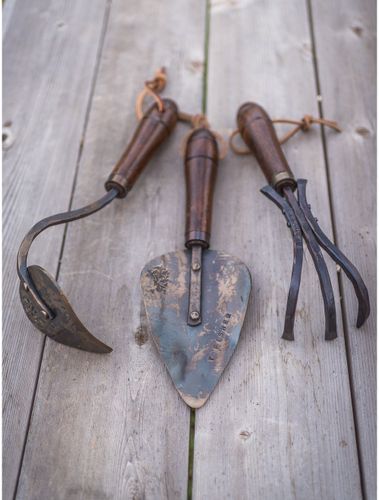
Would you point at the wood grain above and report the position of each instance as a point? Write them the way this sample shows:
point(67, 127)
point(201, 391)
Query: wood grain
point(346, 53)
point(280, 423)
point(287, 420)
point(50, 55)
point(113, 426)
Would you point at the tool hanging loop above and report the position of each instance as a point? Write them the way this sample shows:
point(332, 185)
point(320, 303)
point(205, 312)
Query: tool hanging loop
point(152, 88)
point(304, 124)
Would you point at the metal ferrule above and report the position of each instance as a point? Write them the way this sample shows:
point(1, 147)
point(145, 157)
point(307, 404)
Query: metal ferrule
point(282, 180)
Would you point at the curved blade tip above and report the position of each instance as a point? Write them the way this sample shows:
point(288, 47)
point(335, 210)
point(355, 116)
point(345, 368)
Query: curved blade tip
point(65, 328)
point(363, 314)
point(193, 402)
point(331, 335)
point(288, 335)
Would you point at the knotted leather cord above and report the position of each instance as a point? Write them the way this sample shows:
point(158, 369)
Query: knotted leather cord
point(200, 121)
point(304, 124)
point(152, 87)
point(157, 84)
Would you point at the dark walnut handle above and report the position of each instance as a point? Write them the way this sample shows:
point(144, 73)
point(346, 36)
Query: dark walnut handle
point(257, 130)
point(152, 130)
point(201, 161)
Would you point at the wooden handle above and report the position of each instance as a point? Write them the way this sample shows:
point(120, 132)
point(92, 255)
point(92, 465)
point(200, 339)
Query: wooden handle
point(201, 161)
point(152, 130)
point(256, 129)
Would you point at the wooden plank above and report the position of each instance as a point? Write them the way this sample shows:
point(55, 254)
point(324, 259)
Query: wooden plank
point(7, 14)
point(113, 426)
point(280, 423)
point(49, 58)
point(346, 50)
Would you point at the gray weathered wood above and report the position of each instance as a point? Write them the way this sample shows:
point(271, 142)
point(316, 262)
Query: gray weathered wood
point(7, 14)
point(49, 54)
point(113, 426)
point(280, 423)
point(346, 52)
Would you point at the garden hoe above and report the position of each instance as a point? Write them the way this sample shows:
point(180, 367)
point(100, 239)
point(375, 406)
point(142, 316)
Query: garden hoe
point(44, 302)
point(196, 299)
point(257, 131)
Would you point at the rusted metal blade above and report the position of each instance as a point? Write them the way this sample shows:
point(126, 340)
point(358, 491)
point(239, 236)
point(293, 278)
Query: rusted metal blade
point(297, 237)
point(319, 263)
point(60, 322)
point(195, 356)
point(335, 253)
point(53, 220)
point(64, 326)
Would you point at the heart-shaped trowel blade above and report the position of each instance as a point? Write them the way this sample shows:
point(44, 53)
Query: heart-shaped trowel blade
point(195, 356)
point(65, 326)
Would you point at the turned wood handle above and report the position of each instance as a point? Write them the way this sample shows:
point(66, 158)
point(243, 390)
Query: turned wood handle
point(257, 130)
point(152, 130)
point(201, 161)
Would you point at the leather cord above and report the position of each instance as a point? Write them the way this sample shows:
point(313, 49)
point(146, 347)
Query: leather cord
point(304, 124)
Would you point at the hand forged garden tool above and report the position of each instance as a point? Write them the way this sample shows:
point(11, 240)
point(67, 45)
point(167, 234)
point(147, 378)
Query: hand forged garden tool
point(257, 131)
point(196, 299)
point(44, 302)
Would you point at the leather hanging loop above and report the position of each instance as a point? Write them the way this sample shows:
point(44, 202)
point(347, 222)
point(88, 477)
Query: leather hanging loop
point(152, 88)
point(198, 121)
point(304, 125)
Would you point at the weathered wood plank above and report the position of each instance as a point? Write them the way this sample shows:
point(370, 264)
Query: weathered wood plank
point(280, 423)
point(49, 58)
point(113, 426)
point(346, 50)
point(7, 14)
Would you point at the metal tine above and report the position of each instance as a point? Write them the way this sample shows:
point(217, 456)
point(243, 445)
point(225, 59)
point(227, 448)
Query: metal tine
point(293, 292)
point(335, 253)
point(319, 263)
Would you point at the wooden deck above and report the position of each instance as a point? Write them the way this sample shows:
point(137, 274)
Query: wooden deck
point(287, 420)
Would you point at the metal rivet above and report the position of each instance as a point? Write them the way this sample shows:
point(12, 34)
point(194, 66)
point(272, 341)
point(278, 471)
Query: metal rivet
point(44, 314)
point(194, 315)
point(196, 266)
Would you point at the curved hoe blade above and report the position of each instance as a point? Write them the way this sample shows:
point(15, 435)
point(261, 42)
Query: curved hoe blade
point(195, 356)
point(335, 253)
point(65, 327)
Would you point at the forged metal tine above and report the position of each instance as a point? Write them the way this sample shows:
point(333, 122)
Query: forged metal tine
point(335, 253)
point(319, 262)
point(297, 264)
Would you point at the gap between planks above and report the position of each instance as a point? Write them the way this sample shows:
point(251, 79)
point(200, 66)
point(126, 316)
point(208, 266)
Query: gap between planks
point(192, 423)
point(335, 239)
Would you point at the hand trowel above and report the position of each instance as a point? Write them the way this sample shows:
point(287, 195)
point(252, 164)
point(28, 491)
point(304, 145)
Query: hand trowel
point(196, 299)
